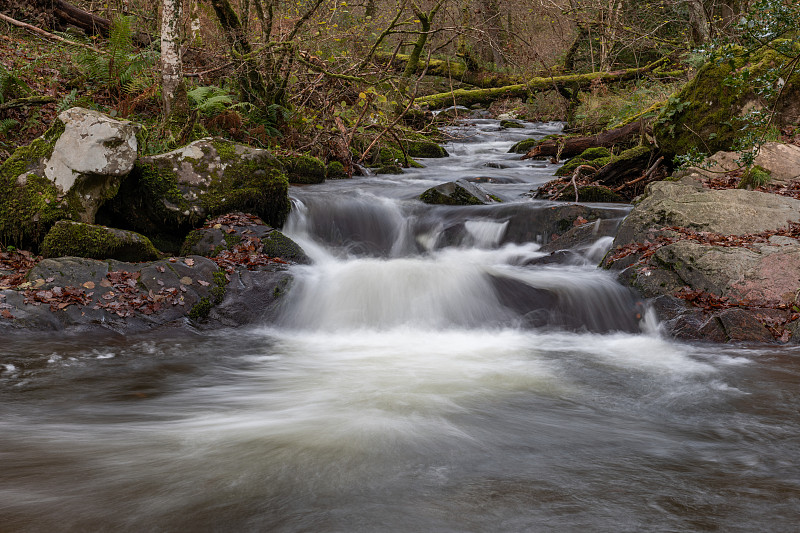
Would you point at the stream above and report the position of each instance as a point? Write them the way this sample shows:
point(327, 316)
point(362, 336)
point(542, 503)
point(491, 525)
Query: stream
point(427, 373)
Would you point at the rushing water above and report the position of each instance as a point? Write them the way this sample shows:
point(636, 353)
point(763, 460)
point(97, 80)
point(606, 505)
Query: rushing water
point(426, 375)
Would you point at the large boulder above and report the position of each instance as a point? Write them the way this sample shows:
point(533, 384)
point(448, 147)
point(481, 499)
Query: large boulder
point(66, 174)
point(721, 250)
point(303, 169)
point(459, 192)
point(706, 114)
point(167, 195)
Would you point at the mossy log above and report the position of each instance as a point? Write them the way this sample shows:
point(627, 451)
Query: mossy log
point(533, 85)
point(69, 14)
point(571, 146)
point(454, 69)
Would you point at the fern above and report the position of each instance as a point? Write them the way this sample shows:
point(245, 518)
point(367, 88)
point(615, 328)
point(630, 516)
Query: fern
point(11, 86)
point(211, 100)
point(7, 125)
point(68, 101)
point(123, 66)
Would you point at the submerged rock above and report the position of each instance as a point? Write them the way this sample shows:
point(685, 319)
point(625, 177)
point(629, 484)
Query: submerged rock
point(97, 242)
point(459, 192)
point(66, 174)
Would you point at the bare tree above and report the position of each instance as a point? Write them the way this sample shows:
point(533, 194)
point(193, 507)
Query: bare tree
point(171, 64)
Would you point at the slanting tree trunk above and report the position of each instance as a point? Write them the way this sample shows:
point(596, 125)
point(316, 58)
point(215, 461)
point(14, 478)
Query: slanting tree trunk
point(251, 83)
point(88, 22)
point(572, 82)
point(171, 64)
point(425, 20)
point(698, 21)
point(571, 146)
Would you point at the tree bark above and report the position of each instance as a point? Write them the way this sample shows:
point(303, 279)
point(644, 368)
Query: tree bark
point(572, 146)
point(91, 24)
point(573, 82)
point(171, 64)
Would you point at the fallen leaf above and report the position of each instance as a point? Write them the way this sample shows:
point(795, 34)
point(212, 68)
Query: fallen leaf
point(38, 283)
point(186, 280)
point(50, 280)
point(6, 314)
point(105, 283)
point(203, 283)
point(88, 285)
point(189, 261)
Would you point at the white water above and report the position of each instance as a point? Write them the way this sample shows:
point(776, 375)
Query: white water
point(424, 377)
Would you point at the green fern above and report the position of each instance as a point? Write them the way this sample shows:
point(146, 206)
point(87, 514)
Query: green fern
point(210, 100)
point(11, 86)
point(68, 101)
point(7, 124)
point(122, 68)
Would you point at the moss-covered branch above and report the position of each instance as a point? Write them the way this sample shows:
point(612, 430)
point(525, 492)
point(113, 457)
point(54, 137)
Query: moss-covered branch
point(575, 81)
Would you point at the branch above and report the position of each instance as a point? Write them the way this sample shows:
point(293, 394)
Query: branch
point(22, 102)
point(48, 35)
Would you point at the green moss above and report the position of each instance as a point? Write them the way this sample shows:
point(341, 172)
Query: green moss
point(30, 205)
point(220, 286)
point(593, 193)
point(590, 154)
point(706, 113)
point(459, 196)
point(569, 167)
point(336, 171)
point(96, 242)
point(201, 309)
point(522, 147)
point(232, 239)
point(510, 124)
point(389, 169)
point(303, 169)
point(191, 241)
point(276, 244)
point(225, 149)
point(424, 148)
point(755, 177)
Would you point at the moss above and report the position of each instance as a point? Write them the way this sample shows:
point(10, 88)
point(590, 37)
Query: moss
point(220, 286)
point(191, 241)
point(201, 309)
point(96, 242)
point(568, 168)
point(755, 177)
point(424, 148)
point(459, 196)
point(226, 150)
point(706, 113)
point(389, 169)
point(232, 239)
point(335, 171)
point(276, 244)
point(30, 205)
point(152, 202)
point(590, 154)
point(510, 124)
point(303, 169)
point(522, 147)
point(594, 193)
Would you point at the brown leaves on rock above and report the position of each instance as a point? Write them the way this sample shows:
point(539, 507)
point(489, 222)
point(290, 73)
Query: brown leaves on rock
point(14, 266)
point(126, 297)
point(234, 219)
point(58, 298)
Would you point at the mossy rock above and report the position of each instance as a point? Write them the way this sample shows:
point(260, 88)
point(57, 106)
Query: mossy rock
point(168, 195)
point(596, 157)
point(75, 239)
point(276, 244)
point(707, 114)
point(522, 147)
point(303, 169)
point(29, 202)
point(389, 169)
point(335, 171)
point(459, 192)
point(511, 124)
point(426, 149)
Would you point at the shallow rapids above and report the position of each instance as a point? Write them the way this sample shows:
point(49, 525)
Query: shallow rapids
point(426, 374)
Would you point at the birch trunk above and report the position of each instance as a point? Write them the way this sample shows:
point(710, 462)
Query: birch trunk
point(171, 64)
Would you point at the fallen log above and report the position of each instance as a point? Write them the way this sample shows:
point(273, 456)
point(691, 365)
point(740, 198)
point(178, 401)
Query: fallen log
point(29, 101)
point(90, 23)
point(566, 147)
point(457, 70)
point(468, 97)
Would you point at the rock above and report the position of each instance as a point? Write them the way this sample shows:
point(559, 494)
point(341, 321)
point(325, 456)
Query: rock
point(753, 280)
point(706, 113)
point(459, 192)
point(66, 174)
point(686, 203)
point(170, 194)
point(389, 169)
point(424, 148)
point(303, 169)
point(583, 236)
point(226, 232)
point(511, 124)
point(77, 294)
point(597, 157)
point(781, 160)
point(335, 171)
point(97, 242)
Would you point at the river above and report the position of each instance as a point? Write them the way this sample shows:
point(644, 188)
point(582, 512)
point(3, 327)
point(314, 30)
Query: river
point(426, 374)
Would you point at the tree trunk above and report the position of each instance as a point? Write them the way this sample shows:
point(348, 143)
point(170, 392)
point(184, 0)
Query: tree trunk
point(171, 64)
point(571, 146)
point(495, 36)
point(698, 21)
point(573, 82)
point(91, 24)
point(251, 83)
